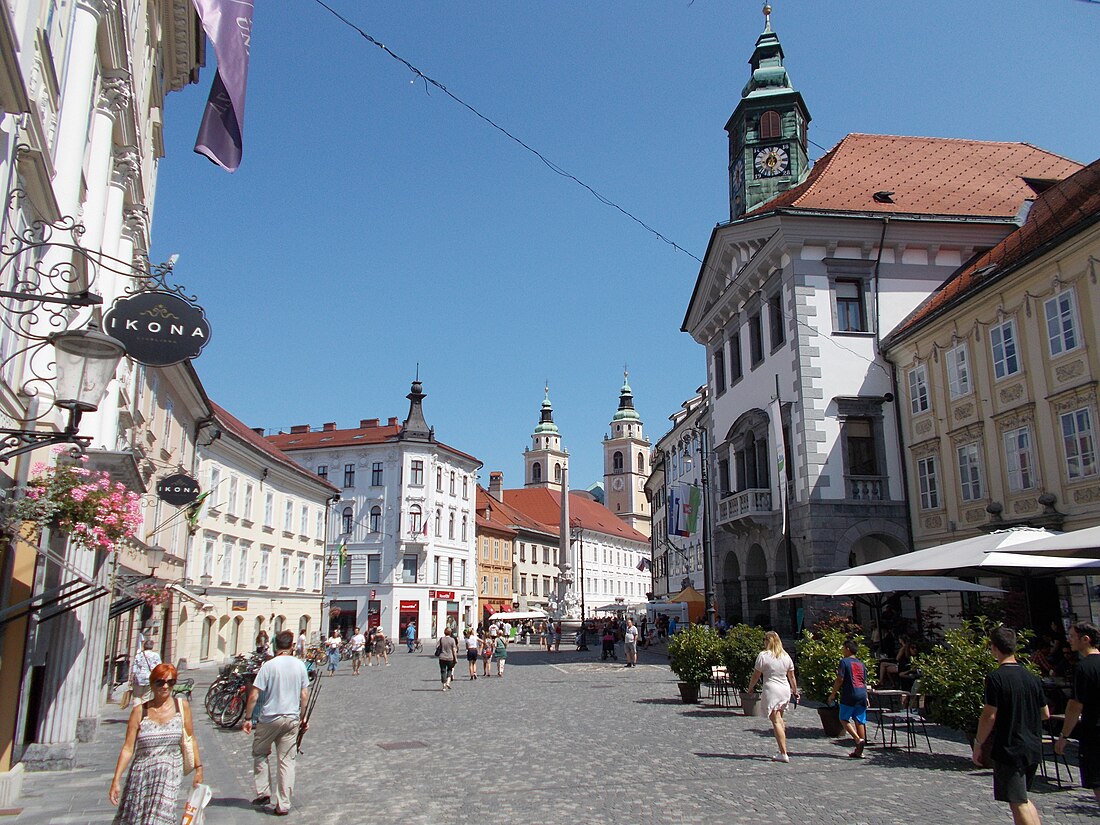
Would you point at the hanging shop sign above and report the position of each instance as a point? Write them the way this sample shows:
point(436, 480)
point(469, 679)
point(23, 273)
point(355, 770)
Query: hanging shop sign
point(178, 489)
point(239, 605)
point(442, 595)
point(158, 329)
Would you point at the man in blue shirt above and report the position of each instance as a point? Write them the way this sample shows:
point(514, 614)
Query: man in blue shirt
point(410, 635)
point(851, 682)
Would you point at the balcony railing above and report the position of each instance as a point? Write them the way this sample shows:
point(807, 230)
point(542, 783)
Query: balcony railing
point(744, 505)
point(867, 488)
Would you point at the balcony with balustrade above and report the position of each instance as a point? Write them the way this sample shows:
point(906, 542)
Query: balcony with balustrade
point(744, 508)
point(867, 488)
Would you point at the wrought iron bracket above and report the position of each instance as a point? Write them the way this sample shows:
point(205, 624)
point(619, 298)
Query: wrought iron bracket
point(17, 442)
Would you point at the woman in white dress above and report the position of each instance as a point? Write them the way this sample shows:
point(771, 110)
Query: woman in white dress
point(775, 667)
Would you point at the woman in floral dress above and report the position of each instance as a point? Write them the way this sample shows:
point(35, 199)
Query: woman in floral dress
point(153, 737)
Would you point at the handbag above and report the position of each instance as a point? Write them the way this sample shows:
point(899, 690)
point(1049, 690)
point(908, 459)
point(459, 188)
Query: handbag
point(187, 748)
point(125, 697)
point(438, 648)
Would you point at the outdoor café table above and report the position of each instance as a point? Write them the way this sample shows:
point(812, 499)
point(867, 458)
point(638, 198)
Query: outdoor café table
point(891, 697)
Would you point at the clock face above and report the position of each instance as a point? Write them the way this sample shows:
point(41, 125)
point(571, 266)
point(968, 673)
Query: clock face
point(738, 181)
point(771, 161)
point(617, 484)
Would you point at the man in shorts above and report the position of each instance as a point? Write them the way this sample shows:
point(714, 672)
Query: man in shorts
point(358, 647)
point(630, 643)
point(1015, 708)
point(1084, 637)
point(851, 683)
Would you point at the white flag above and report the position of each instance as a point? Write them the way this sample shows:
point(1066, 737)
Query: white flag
point(775, 413)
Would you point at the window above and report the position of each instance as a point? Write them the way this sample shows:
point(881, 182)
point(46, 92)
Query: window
point(408, 570)
point(265, 566)
point(545, 555)
point(756, 340)
point(376, 474)
point(301, 579)
point(523, 585)
point(958, 371)
point(918, 390)
point(438, 524)
point(464, 528)
point(617, 462)
point(231, 507)
point(169, 414)
point(215, 480)
point(465, 487)
point(736, 369)
point(439, 479)
point(775, 320)
point(246, 511)
point(345, 568)
point(288, 516)
point(462, 568)
point(284, 571)
point(535, 585)
point(242, 568)
point(417, 475)
point(227, 561)
point(1019, 460)
point(1079, 443)
point(319, 525)
point(536, 472)
point(322, 471)
point(416, 523)
point(557, 473)
point(452, 482)
point(376, 519)
point(1061, 312)
point(546, 585)
point(522, 552)
point(451, 527)
point(970, 472)
point(349, 475)
point(269, 510)
point(496, 585)
point(641, 462)
point(208, 558)
point(771, 125)
point(496, 549)
point(860, 437)
point(347, 520)
point(316, 575)
point(303, 521)
point(1002, 340)
point(849, 306)
point(720, 369)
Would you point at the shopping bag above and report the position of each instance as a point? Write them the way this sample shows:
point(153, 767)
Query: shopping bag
point(196, 803)
point(125, 697)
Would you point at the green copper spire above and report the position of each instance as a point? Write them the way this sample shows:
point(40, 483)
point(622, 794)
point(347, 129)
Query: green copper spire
point(546, 419)
point(626, 402)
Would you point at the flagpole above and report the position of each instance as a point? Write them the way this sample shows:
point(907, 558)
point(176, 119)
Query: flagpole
point(783, 495)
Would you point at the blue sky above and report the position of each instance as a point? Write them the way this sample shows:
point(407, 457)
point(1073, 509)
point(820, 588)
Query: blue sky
point(374, 225)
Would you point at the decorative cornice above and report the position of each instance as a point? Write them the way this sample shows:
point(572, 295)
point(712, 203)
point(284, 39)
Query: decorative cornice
point(114, 94)
point(127, 166)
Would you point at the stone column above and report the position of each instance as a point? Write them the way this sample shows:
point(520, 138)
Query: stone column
point(76, 104)
point(114, 94)
point(95, 648)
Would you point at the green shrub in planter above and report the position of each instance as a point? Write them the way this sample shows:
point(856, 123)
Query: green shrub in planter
point(952, 675)
point(740, 648)
point(819, 653)
point(692, 652)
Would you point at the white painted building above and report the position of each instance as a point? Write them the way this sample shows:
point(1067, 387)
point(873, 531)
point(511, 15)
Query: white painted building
point(405, 517)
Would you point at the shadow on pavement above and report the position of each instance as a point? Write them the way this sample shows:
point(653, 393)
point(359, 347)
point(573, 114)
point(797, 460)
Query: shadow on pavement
point(659, 700)
point(233, 802)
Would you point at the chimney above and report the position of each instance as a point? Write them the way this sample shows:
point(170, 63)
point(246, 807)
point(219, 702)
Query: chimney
point(298, 429)
point(393, 421)
point(367, 423)
point(496, 485)
point(330, 427)
point(259, 431)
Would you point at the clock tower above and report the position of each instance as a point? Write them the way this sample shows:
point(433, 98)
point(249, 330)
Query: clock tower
point(626, 456)
point(545, 462)
point(767, 130)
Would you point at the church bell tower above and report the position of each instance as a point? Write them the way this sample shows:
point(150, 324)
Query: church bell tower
point(626, 463)
point(545, 462)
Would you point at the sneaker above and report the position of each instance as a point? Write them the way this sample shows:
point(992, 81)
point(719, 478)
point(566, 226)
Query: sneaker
point(260, 801)
point(858, 752)
point(781, 757)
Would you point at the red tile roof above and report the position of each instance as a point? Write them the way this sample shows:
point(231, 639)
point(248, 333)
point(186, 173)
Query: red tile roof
point(234, 425)
point(498, 520)
point(927, 176)
point(544, 506)
point(1058, 212)
point(332, 437)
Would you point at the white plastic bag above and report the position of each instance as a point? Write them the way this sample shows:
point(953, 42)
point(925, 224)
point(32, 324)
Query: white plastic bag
point(196, 803)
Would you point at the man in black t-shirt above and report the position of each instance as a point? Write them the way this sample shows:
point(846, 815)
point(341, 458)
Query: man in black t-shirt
point(1015, 708)
point(1084, 637)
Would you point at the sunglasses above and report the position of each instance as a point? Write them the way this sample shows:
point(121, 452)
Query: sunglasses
point(163, 682)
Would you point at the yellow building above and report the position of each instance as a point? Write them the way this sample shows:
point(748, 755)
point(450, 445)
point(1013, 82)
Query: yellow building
point(495, 544)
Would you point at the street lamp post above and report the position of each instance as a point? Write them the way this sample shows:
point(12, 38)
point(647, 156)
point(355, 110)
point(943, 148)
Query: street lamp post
point(704, 479)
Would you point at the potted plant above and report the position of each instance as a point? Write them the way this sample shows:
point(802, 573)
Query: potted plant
point(692, 653)
point(740, 648)
point(952, 675)
point(819, 653)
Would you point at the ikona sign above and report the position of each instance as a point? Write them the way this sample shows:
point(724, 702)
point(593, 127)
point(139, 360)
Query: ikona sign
point(157, 328)
point(178, 489)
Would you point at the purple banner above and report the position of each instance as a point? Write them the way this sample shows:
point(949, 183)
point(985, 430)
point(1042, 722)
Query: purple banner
point(228, 24)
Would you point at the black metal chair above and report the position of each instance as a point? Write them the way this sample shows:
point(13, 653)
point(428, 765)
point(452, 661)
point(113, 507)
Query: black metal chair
point(908, 718)
point(1052, 729)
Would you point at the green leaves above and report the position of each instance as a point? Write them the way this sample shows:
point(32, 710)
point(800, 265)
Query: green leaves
point(819, 655)
point(693, 651)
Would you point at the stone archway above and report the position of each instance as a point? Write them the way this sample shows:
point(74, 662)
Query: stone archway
point(732, 609)
point(756, 587)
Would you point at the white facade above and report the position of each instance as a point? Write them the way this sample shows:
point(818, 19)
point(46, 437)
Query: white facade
point(609, 569)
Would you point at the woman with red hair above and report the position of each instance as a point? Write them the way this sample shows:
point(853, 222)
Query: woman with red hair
point(153, 740)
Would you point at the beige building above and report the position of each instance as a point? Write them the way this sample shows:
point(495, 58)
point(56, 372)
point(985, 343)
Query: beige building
point(997, 374)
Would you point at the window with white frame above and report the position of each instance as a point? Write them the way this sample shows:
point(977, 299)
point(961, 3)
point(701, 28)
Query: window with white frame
point(231, 506)
point(347, 521)
point(438, 524)
point(416, 474)
point(850, 314)
point(265, 567)
point(246, 510)
point(215, 480)
point(1019, 460)
point(970, 472)
point(408, 570)
point(374, 568)
point(1002, 343)
point(1061, 315)
point(464, 528)
point(451, 527)
point(227, 561)
point(303, 521)
point(319, 524)
point(376, 519)
point(316, 575)
point(1079, 443)
point(416, 523)
point(301, 574)
point(288, 516)
point(376, 474)
point(958, 371)
point(484, 585)
point(439, 479)
point(919, 400)
point(242, 569)
point(465, 487)
point(169, 414)
point(284, 571)
point(208, 558)
point(269, 510)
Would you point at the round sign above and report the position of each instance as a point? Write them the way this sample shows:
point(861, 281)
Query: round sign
point(158, 329)
point(178, 489)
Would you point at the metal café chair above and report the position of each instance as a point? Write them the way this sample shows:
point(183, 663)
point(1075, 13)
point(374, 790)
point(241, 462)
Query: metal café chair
point(1052, 728)
point(908, 718)
point(720, 687)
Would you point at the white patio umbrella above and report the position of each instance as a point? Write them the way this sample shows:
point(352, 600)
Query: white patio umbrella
point(844, 585)
point(519, 615)
point(1072, 544)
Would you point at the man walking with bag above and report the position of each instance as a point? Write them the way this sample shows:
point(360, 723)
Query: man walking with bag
point(285, 688)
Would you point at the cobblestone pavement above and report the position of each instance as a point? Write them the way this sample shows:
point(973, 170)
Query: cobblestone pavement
point(562, 738)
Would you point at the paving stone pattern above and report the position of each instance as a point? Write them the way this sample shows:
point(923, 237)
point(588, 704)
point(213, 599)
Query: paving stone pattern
point(563, 738)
